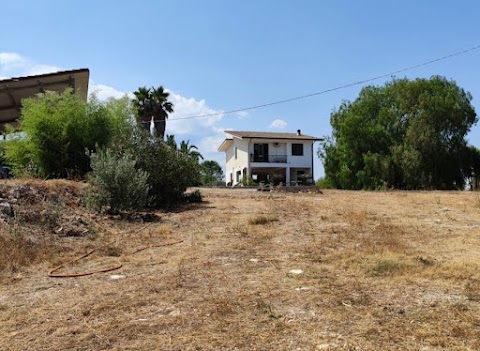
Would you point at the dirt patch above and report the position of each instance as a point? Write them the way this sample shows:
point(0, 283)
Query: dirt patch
point(375, 275)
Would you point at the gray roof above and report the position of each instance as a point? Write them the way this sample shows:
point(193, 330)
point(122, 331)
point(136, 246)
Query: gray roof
point(271, 135)
point(13, 90)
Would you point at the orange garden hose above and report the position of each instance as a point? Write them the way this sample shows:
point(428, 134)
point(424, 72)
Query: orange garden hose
point(53, 274)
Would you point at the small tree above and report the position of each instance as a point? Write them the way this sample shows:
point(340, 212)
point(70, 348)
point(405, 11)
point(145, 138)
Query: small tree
point(170, 172)
point(190, 151)
point(117, 184)
point(211, 173)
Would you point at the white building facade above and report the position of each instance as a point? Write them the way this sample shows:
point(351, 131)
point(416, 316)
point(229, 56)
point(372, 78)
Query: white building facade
point(267, 157)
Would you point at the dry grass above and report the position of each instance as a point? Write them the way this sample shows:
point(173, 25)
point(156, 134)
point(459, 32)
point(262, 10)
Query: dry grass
point(381, 271)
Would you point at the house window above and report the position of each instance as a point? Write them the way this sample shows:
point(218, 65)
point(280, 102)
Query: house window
point(297, 149)
point(260, 152)
point(236, 153)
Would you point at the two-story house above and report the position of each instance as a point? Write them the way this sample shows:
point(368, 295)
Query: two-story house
point(263, 156)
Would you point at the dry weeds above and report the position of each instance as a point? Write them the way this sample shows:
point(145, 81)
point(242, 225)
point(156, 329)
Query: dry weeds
point(381, 271)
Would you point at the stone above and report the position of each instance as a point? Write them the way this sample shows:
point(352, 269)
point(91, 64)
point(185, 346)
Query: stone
point(117, 276)
point(302, 288)
point(295, 272)
point(6, 209)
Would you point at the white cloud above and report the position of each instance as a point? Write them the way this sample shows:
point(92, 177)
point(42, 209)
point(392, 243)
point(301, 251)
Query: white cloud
point(205, 132)
point(242, 114)
point(211, 143)
point(190, 107)
point(278, 124)
point(104, 92)
point(10, 59)
point(13, 64)
point(42, 69)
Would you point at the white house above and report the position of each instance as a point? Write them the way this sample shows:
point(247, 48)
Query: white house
point(263, 156)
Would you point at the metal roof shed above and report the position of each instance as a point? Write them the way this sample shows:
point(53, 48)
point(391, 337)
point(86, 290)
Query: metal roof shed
point(14, 90)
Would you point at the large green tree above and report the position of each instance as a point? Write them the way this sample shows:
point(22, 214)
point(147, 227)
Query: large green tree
point(211, 173)
point(152, 104)
point(407, 134)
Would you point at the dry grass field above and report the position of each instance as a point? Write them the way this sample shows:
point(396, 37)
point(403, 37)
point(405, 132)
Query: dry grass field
point(379, 271)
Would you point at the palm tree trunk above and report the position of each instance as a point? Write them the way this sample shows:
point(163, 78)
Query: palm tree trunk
point(145, 123)
point(160, 126)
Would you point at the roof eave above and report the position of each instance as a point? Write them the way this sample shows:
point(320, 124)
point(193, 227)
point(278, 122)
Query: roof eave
point(225, 145)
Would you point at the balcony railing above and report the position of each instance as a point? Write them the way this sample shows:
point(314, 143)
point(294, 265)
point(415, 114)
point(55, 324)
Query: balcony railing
point(269, 158)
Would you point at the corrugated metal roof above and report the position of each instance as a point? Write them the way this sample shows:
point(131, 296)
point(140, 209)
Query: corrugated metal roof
point(271, 135)
point(13, 90)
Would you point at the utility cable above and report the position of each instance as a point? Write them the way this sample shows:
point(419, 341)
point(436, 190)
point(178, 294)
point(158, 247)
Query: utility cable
point(301, 97)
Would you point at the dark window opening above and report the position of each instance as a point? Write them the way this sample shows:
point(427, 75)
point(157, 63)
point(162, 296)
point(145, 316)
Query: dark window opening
point(297, 149)
point(260, 152)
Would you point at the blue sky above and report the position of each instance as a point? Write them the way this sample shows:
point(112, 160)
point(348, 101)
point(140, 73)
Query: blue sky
point(216, 56)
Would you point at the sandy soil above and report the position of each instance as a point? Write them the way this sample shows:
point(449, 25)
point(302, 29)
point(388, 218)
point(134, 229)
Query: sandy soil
point(379, 271)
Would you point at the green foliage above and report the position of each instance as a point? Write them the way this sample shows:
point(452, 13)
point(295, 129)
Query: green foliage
point(193, 197)
point(325, 183)
point(124, 128)
point(278, 178)
point(170, 141)
point(472, 167)
point(153, 103)
point(4, 166)
point(190, 151)
point(211, 173)
point(247, 181)
point(170, 172)
point(58, 129)
point(406, 135)
point(117, 184)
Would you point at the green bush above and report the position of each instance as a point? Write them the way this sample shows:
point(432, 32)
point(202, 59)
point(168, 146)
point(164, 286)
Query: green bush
point(247, 181)
point(57, 129)
point(117, 184)
point(325, 183)
point(194, 197)
point(3, 162)
point(170, 172)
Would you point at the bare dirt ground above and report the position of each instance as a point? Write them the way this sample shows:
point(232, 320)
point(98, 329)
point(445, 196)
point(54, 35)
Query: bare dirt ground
point(379, 271)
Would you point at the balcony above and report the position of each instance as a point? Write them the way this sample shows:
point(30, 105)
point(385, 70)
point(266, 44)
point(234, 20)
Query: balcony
point(268, 158)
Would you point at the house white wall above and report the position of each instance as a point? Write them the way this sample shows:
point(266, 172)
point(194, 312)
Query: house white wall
point(242, 163)
point(304, 161)
point(273, 149)
point(236, 162)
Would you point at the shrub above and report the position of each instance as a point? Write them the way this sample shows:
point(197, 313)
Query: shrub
point(194, 197)
point(117, 184)
point(58, 128)
point(3, 162)
point(170, 172)
point(247, 181)
point(277, 179)
point(325, 183)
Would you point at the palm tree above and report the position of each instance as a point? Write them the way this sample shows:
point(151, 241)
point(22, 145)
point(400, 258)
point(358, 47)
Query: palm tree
point(153, 104)
point(190, 151)
point(171, 142)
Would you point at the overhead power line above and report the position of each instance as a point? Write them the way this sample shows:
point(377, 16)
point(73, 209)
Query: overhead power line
point(301, 97)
